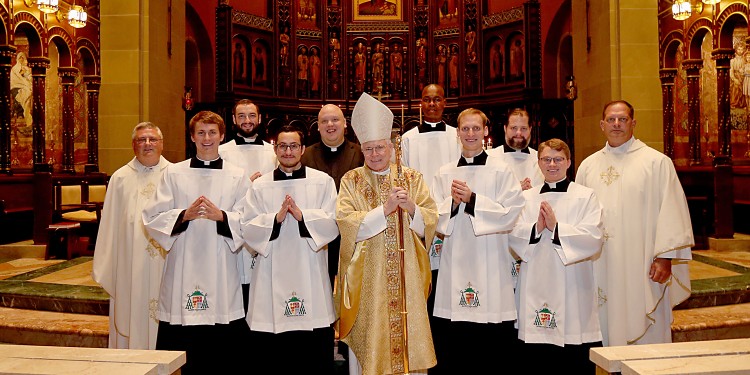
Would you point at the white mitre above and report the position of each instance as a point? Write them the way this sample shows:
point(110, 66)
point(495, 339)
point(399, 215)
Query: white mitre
point(371, 119)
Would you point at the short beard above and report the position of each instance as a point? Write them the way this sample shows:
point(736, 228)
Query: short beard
point(516, 145)
point(244, 134)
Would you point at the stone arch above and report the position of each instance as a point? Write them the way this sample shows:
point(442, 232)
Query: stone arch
point(5, 16)
point(25, 22)
point(727, 22)
point(92, 66)
point(668, 50)
point(64, 43)
point(695, 35)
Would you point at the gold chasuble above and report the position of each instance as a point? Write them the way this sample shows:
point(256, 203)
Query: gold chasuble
point(368, 296)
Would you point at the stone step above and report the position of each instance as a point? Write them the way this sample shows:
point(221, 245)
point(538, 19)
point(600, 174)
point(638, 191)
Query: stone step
point(711, 323)
point(34, 327)
point(23, 249)
point(19, 292)
point(739, 242)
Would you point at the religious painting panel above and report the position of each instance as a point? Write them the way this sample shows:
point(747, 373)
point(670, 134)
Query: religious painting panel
point(516, 67)
point(421, 57)
point(680, 100)
point(470, 37)
point(240, 63)
point(441, 61)
point(447, 14)
point(494, 69)
point(378, 65)
point(398, 69)
point(307, 14)
point(359, 60)
point(502, 61)
point(80, 114)
point(377, 10)
point(260, 67)
point(315, 74)
point(21, 122)
point(303, 71)
point(53, 110)
point(709, 102)
point(334, 63)
point(739, 94)
point(453, 70)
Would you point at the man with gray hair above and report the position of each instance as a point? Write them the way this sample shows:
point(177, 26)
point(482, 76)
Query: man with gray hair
point(127, 262)
point(385, 219)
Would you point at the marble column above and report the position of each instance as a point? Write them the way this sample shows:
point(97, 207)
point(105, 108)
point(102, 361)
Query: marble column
point(667, 97)
point(723, 57)
point(67, 77)
point(693, 69)
point(93, 83)
point(6, 54)
point(39, 66)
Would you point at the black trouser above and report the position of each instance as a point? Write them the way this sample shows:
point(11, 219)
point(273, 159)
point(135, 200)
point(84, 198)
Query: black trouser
point(308, 352)
point(209, 349)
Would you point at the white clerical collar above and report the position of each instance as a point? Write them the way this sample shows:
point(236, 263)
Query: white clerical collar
point(432, 124)
point(250, 140)
point(623, 148)
point(208, 162)
point(554, 184)
point(334, 148)
point(383, 172)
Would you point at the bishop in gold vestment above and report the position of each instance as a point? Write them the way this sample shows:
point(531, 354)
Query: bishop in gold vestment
point(369, 293)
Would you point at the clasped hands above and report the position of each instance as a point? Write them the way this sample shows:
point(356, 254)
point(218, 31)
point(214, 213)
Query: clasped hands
point(203, 208)
point(546, 218)
point(399, 198)
point(460, 192)
point(289, 207)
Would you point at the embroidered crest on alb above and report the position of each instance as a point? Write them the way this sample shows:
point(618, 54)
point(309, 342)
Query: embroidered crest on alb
point(515, 269)
point(294, 306)
point(197, 301)
point(545, 318)
point(469, 297)
point(437, 247)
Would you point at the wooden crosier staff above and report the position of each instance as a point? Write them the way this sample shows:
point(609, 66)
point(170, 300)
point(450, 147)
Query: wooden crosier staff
point(401, 182)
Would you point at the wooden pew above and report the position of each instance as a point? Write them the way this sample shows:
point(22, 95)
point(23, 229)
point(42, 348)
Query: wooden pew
point(609, 360)
point(44, 205)
point(28, 359)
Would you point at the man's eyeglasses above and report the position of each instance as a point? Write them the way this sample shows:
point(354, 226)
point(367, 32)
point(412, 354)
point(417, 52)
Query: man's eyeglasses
point(613, 120)
point(142, 141)
point(378, 149)
point(293, 146)
point(550, 160)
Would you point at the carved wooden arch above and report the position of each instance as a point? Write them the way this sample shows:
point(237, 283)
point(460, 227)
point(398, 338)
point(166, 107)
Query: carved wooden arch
point(36, 45)
point(88, 45)
point(397, 40)
point(668, 49)
point(262, 42)
point(698, 28)
point(5, 16)
point(729, 18)
point(66, 55)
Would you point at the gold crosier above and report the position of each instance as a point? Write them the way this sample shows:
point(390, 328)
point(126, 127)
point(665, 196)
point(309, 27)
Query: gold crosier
point(401, 182)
